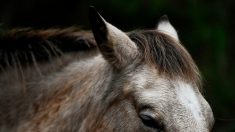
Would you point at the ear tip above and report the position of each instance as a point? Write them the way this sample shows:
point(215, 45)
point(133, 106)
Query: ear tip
point(92, 10)
point(164, 18)
point(91, 6)
point(94, 16)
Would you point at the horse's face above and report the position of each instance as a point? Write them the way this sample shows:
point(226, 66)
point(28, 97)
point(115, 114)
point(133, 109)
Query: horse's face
point(160, 90)
point(164, 104)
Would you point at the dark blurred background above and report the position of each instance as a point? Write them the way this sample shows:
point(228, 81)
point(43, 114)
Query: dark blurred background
point(205, 28)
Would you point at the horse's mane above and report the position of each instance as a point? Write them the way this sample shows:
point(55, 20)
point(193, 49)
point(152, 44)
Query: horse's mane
point(28, 45)
point(166, 54)
point(159, 49)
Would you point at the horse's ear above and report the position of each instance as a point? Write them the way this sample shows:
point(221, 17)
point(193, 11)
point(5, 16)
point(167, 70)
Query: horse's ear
point(165, 26)
point(115, 45)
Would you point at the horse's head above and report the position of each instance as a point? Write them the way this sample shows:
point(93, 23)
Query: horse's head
point(157, 80)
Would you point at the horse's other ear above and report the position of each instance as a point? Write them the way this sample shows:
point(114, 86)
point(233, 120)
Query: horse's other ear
point(115, 45)
point(165, 26)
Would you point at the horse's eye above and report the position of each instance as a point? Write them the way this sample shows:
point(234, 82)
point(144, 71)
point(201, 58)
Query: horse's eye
point(149, 121)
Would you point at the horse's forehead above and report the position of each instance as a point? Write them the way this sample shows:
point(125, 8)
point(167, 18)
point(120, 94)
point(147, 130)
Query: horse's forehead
point(180, 95)
point(188, 97)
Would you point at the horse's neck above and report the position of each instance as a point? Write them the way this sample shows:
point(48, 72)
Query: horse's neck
point(54, 91)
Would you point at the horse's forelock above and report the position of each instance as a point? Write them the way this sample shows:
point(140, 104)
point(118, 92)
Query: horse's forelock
point(166, 54)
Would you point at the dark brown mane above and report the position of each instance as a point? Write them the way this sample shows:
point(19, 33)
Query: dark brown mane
point(168, 55)
point(27, 45)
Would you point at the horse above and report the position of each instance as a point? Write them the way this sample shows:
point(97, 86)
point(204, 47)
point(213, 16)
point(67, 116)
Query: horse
point(104, 80)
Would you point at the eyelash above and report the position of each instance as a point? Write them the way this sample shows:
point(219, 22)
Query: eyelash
point(149, 120)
